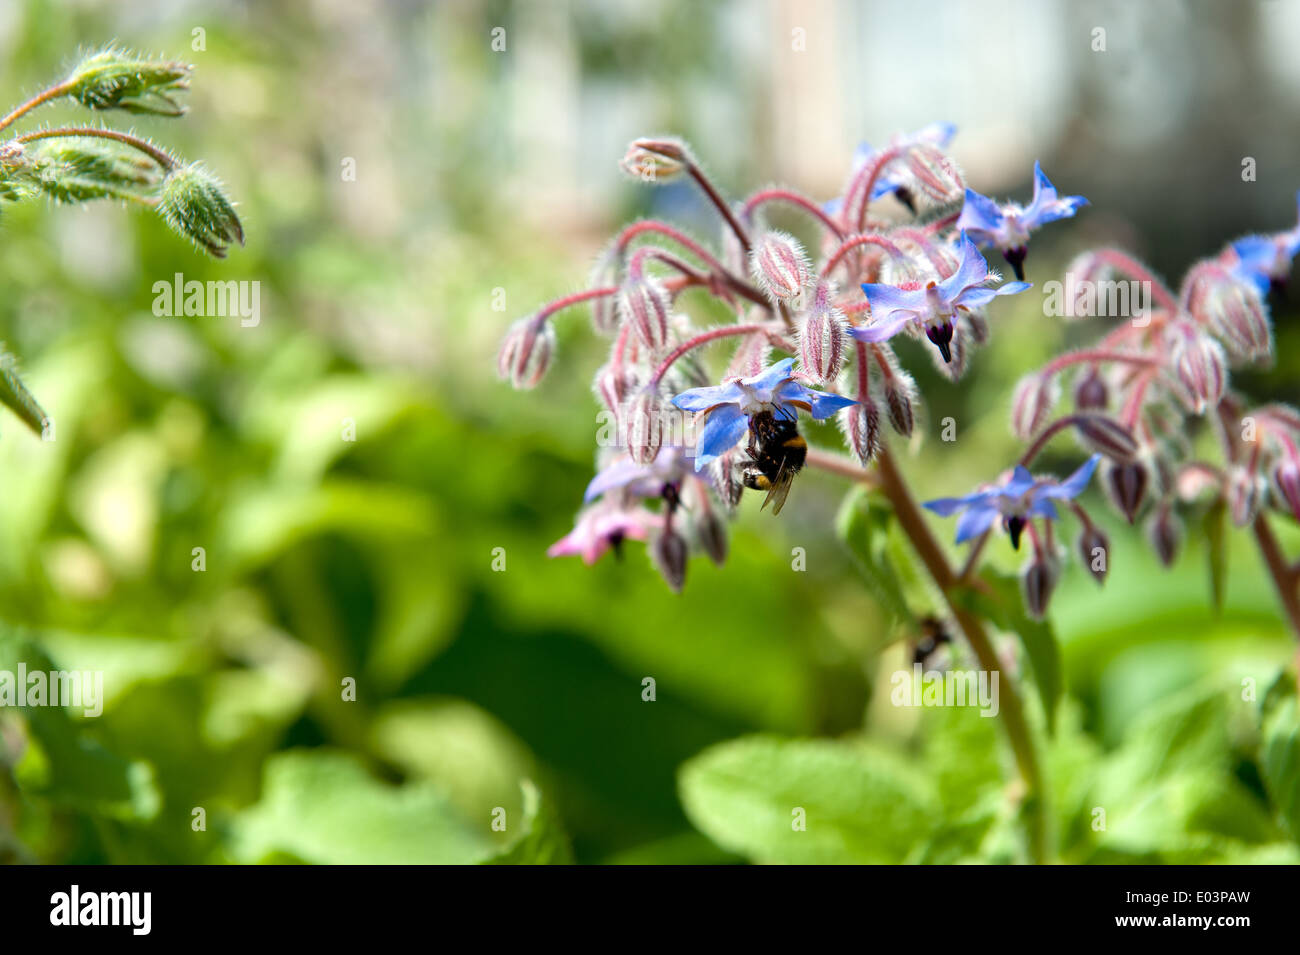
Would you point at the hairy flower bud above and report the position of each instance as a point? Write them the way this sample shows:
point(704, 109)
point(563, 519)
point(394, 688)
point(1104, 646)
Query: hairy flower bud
point(726, 482)
point(934, 174)
point(526, 352)
point(1037, 582)
point(604, 310)
point(114, 79)
point(668, 551)
point(1032, 403)
point(900, 391)
point(1126, 486)
point(1165, 532)
point(1236, 314)
point(1103, 433)
point(73, 171)
point(612, 385)
point(194, 204)
point(711, 532)
point(643, 422)
point(861, 426)
point(780, 266)
point(644, 303)
point(1094, 551)
point(655, 159)
point(1091, 393)
point(1286, 485)
point(821, 338)
point(1199, 371)
point(1243, 493)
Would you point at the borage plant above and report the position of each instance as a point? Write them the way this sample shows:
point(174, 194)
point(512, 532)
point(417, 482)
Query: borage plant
point(920, 273)
point(76, 164)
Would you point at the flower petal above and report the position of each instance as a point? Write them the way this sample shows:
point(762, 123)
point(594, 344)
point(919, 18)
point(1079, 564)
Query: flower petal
point(1073, 486)
point(723, 429)
point(948, 506)
point(619, 474)
point(702, 399)
point(975, 521)
point(768, 379)
point(883, 331)
point(971, 270)
point(977, 297)
point(1021, 481)
point(980, 216)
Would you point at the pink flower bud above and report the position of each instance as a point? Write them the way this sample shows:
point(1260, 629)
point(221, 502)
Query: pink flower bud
point(1199, 370)
point(526, 352)
point(1236, 314)
point(612, 385)
point(1037, 582)
point(1094, 551)
point(1101, 432)
point(900, 391)
point(604, 310)
point(655, 160)
point(643, 421)
point(1126, 486)
point(934, 174)
point(711, 532)
point(644, 303)
point(861, 426)
point(780, 266)
point(1165, 532)
point(668, 552)
point(1286, 484)
point(1244, 492)
point(1031, 405)
point(821, 339)
point(1091, 393)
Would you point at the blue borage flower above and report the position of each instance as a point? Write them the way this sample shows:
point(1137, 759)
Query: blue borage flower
point(1020, 498)
point(1007, 227)
point(727, 408)
point(936, 134)
point(1266, 259)
point(933, 306)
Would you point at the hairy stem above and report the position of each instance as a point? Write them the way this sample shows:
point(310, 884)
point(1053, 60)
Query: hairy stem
point(54, 92)
point(166, 162)
point(720, 204)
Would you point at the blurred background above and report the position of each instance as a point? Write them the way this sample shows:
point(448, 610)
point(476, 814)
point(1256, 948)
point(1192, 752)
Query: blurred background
point(488, 177)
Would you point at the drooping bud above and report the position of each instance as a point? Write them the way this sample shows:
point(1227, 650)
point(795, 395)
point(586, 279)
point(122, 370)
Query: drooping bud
point(643, 422)
point(75, 171)
point(1244, 491)
point(1101, 432)
point(604, 274)
point(934, 174)
point(977, 326)
point(668, 552)
point(113, 79)
point(781, 267)
point(1126, 486)
point(644, 303)
point(1037, 582)
point(711, 531)
point(655, 160)
point(194, 204)
point(1199, 369)
point(1165, 532)
point(900, 391)
point(861, 426)
point(1236, 314)
point(821, 338)
point(722, 473)
point(612, 385)
point(1091, 393)
point(1032, 403)
point(526, 352)
point(1094, 551)
point(1286, 484)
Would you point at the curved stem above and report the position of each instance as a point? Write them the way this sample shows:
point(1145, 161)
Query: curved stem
point(794, 199)
point(54, 92)
point(720, 204)
point(135, 142)
point(701, 339)
point(859, 240)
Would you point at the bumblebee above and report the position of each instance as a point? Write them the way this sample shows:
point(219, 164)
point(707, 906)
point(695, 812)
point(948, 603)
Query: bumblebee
point(777, 452)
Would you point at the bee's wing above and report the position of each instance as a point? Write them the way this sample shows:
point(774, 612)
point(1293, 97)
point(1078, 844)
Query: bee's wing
point(779, 490)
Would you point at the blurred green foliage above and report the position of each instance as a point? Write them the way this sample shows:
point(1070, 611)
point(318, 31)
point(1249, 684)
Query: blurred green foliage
point(485, 696)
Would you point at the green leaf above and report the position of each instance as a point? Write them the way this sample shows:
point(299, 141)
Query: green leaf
point(1005, 609)
point(544, 841)
point(1279, 756)
point(857, 803)
point(323, 807)
point(1214, 526)
point(863, 524)
point(15, 396)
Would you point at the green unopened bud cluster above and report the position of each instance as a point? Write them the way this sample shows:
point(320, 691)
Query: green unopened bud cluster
point(194, 204)
point(114, 79)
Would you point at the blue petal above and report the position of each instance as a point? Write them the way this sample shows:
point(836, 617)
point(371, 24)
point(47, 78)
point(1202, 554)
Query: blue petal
point(770, 378)
point(947, 506)
point(975, 522)
point(889, 298)
point(980, 215)
point(1047, 206)
point(971, 270)
point(723, 429)
point(619, 474)
point(1073, 486)
point(975, 297)
point(1042, 507)
point(820, 404)
point(938, 133)
point(883, 331)
point(1021, 481)
point(702, 399)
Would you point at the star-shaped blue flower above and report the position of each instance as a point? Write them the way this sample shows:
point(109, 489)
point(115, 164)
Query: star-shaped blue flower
point(1007, 227)
point(727, 408)
point(1264, 259)
point(1017, 500)
point(934, 306)
point(936, 134)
